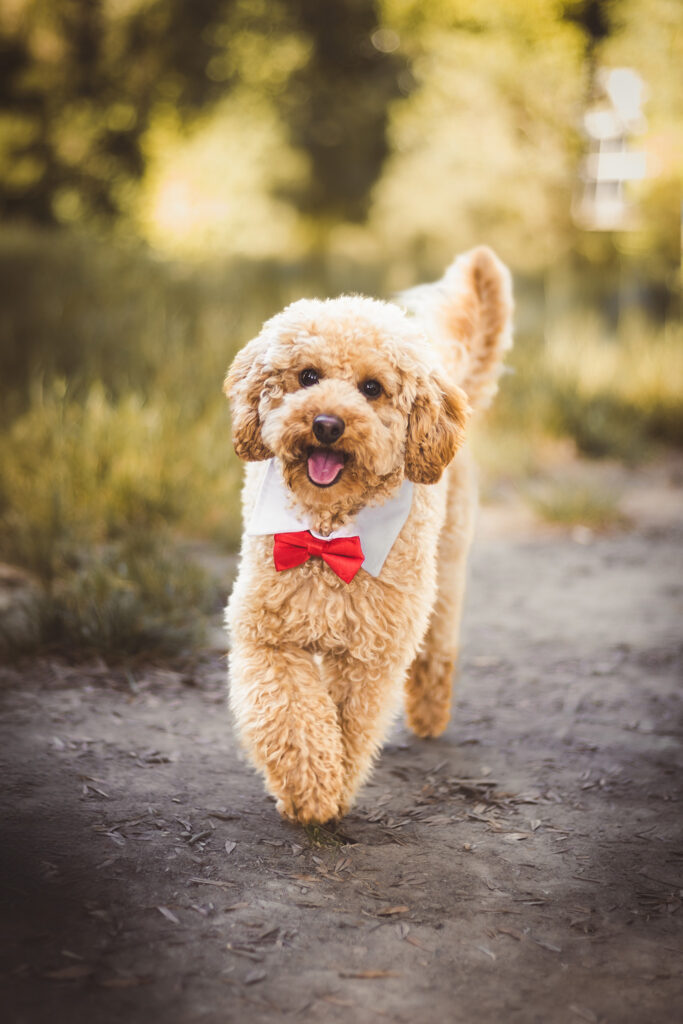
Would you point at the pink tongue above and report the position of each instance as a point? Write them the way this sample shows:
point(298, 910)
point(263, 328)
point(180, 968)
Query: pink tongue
point(324, 466)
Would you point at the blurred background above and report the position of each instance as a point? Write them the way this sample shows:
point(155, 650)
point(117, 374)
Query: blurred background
point(173, 173)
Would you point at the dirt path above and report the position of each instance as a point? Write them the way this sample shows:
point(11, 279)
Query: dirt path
point(526, 867)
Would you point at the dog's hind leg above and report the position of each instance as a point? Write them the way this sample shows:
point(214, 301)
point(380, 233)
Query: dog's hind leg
point(429, 685)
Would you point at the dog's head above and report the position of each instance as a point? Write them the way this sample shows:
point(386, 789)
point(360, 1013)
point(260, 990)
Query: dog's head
point(347, 395)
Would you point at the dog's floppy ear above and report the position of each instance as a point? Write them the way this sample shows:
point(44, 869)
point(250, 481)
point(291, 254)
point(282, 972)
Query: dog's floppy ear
point(436, 429)
point(243, 385)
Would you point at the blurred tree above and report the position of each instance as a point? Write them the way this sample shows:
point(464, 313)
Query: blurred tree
point(79, 82)
point(594, 17)
point(82, 80)
point(486, 147)
point(450, 121)
point(597, 19)
point(337, 104)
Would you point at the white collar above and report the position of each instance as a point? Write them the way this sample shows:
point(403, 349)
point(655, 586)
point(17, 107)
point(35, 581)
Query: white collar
point(378, 526)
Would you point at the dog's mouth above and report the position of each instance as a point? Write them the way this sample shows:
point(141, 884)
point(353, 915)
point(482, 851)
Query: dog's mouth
point(324, 466)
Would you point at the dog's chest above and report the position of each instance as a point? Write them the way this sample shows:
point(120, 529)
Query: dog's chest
point(319, 612)
point(373, 618)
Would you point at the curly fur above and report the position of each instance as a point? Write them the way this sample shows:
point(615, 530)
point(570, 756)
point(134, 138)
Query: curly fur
point(317, 666)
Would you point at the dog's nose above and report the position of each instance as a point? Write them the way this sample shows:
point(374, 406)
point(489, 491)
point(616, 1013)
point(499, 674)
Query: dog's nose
point(328, 429)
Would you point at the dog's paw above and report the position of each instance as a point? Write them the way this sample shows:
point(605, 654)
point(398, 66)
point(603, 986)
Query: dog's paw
point(428, 696)
point(315, 809)
point(426, 726)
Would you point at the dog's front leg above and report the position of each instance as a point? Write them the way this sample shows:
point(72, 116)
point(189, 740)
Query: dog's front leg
point(367, 695)
point(288, 723)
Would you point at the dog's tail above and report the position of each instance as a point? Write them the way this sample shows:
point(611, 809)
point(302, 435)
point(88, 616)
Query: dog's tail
point(468, 314)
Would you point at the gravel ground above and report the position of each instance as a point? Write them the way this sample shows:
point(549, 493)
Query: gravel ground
point(527, 866)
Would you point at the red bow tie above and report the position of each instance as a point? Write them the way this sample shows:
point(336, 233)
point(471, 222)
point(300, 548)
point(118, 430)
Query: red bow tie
point(344, 555)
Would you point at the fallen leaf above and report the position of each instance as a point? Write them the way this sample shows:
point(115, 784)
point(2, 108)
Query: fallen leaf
point(583, 1012)
point(389, 911)
point(250, 954)
point(546, 945)
point(222, 815)
point(169, 915)
point(369, 975)
point(71, 973)
point(229, 845)
point(125, 981)
point(487, 951)
point(258, 974)
point(198, 836)
point(203, 911)
point(212, 881)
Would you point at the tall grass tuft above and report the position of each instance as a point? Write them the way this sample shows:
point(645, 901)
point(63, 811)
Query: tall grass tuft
point(94, 493)
point(121, 600)
point(615, 395)
point(611, 395)
point(570, 504)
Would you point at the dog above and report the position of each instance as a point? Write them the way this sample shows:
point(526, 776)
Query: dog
point(358, 506)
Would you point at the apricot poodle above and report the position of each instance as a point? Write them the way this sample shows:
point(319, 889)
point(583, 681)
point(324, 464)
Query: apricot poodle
point(358, 507)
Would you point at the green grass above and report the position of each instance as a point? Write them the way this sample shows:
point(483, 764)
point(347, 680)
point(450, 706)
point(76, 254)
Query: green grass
point(85, 471)
point(613, 396)
point(322, 837)
point(115, 446)
point(617, 395)
point(94, 493)
point(569, 504)
point(123, 601)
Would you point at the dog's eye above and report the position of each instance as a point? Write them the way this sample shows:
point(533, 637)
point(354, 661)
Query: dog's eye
point(371, 388)
point(308, 377)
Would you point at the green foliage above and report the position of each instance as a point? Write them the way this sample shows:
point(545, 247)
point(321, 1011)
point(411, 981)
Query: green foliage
point(119, 439)
point(78, 472)
point(616, 395)
point(89, 311)
point(78, 310)
point(569, 504)
point(337, 104)
point(89, 492)
point(612, 395)
point(81, 81)
point(129, 599)
point(277, 127)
